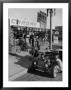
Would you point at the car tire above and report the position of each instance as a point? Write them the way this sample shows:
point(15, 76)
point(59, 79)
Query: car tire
point(54, 71)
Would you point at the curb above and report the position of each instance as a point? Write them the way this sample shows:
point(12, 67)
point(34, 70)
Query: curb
point(18, 75)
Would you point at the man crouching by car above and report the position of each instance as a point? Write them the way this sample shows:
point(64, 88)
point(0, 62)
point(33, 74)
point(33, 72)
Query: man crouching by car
point(59, 62)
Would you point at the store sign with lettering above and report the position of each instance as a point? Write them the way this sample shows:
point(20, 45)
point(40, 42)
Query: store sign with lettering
point(23, 23)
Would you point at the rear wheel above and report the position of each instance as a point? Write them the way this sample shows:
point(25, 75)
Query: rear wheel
point(54, 71)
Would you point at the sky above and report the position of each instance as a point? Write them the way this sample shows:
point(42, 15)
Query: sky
point(30, 15)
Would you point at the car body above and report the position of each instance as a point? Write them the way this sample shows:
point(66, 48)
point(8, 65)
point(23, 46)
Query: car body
point(45, 62)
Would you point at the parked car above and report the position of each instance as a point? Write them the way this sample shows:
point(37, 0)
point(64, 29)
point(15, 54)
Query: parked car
point(45, 62)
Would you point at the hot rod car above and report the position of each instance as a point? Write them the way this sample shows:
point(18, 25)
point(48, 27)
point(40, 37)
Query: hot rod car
point(45, 62)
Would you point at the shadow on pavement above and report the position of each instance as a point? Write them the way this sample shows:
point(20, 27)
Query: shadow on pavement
point(40, 73)
point(24, 61)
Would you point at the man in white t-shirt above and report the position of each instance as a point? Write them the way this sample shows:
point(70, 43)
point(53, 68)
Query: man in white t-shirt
point(59, 62)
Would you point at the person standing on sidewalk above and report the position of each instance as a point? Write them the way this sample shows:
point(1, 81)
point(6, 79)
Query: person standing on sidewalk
point(32, 40)
point(37, 41)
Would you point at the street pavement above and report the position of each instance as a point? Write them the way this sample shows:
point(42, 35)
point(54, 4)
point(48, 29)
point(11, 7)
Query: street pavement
point(38, 76)
point(15, 66)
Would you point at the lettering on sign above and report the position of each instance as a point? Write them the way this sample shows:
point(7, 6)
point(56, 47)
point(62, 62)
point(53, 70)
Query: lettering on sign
point(24, 23)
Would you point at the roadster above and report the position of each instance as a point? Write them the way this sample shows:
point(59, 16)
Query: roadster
point(45, 62)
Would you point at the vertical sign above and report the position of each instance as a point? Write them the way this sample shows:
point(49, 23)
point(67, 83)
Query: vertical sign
point(42, 19)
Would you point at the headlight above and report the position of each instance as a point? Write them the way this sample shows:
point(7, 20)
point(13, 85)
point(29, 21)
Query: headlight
point(46, 65)
point(34, 62)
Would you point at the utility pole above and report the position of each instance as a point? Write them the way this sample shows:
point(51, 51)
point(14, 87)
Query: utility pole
point(51, 28)
point(50, 11)
point(17, 21)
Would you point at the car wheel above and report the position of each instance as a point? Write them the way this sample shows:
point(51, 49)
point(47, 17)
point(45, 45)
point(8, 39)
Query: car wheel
point(54, 71)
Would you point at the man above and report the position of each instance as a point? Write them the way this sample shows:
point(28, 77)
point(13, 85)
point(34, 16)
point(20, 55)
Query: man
point(59, 62)
point(37, 41)
point(31, 40)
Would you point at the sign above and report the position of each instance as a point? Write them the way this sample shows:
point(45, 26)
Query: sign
point(41, 17)
point(56, 39)
point(13, 21)
point(57, 33)
point(24, 23)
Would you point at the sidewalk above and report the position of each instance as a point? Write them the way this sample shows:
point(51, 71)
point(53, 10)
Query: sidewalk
point(16, 70)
